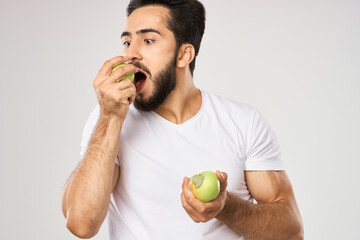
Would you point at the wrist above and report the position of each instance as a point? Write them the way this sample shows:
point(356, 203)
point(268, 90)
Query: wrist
point(226, 206)
point(111, 119)
point(110, 125)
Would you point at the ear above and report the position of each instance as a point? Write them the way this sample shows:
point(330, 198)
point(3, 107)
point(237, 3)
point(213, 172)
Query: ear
point(185, 55)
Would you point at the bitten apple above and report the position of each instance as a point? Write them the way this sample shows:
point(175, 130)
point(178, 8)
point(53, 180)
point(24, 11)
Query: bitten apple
point(205, 186)
point(130, 76)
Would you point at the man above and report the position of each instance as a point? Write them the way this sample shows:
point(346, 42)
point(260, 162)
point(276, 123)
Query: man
point(134, 156)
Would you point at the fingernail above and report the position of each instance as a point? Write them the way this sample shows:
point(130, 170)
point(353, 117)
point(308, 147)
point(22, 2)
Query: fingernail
point(222, 175)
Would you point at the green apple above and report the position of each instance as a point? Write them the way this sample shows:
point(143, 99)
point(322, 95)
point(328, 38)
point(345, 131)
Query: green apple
point(205, 186)
point(130, 76)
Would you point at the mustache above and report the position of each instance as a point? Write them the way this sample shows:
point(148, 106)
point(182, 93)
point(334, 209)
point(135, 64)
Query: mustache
point(142, 67)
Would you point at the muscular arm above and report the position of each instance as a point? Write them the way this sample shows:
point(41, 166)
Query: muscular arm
point(87, 194)
point(276, 216)
point(86, 197)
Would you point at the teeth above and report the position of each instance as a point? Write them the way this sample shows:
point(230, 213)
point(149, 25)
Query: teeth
point(137, 84)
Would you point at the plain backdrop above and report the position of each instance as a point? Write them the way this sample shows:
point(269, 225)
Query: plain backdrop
point(296, 61)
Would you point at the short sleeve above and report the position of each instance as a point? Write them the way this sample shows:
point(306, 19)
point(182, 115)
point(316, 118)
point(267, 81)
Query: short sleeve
point(263, 152)
point(89, 129)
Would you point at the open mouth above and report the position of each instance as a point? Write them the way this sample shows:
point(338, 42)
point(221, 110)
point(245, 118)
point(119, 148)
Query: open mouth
point(139, 81)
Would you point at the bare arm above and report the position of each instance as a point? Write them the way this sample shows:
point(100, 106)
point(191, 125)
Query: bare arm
point(86, 197)
point(276, 215)
point(114, 182)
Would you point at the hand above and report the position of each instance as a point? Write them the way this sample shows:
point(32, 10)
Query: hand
point(115, 96)
point(199, 211)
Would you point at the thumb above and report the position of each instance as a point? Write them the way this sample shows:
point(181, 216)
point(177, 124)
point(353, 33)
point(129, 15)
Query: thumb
point(223, 180)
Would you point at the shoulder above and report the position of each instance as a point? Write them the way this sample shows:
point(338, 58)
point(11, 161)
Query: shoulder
point(92, 120)
point(89, 128)
point(225, 107)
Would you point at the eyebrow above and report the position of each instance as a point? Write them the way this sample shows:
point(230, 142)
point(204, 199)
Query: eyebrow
point(142, 31)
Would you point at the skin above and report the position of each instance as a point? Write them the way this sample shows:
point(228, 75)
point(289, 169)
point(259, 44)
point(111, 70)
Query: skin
point(185, 100)
point(86, 196)
point(276, 216)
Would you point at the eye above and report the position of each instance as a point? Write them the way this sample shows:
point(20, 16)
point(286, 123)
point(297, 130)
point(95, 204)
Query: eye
point(126, 43)
point(148, 41)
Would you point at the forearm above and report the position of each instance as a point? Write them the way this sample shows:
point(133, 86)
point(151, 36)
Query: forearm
point(260, 221)
point(87, 194)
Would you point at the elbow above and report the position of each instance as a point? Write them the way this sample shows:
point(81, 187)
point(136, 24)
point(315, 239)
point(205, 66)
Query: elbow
point(299, 232)
point(81, 229)
point(298, 236)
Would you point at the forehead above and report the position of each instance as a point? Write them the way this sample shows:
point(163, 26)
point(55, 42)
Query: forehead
point(155, 17)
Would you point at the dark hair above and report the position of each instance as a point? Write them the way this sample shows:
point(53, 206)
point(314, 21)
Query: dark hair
point(187, 21)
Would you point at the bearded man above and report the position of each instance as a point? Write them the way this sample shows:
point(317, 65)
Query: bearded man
point(144, 136)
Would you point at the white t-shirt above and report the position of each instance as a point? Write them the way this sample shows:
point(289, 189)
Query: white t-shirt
point(155, 155)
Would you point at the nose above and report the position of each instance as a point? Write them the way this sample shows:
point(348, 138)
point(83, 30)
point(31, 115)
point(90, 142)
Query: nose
point(133, 52)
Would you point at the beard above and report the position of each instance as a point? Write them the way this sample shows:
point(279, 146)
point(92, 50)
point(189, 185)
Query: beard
point(165, 82)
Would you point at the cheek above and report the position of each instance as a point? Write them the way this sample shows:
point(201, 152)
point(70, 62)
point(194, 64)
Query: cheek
point(156, 54)
point(157, 59)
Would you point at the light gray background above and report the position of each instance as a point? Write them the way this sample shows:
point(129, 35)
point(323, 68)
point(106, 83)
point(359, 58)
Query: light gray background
point(297, 61)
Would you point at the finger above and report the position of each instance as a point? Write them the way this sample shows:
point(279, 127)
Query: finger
point(110, 64)
point(201, 207)
point(120, 72)
point(196, 204)
point(118, 95)
point(212, 206)
point(127, 83)
point(106, 68)
point(223, 180)
point(188, 194)
point(113, 89)
point(185, 184)
point(132, 97)
point(203, 212)
point(128, 95)
point(189, 210)
point(130, 88)
point(194, 214)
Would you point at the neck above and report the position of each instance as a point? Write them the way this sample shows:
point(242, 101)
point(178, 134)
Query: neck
point(183, 102)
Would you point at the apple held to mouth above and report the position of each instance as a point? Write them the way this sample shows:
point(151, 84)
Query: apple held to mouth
point(130, 76)
point(205, 186)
